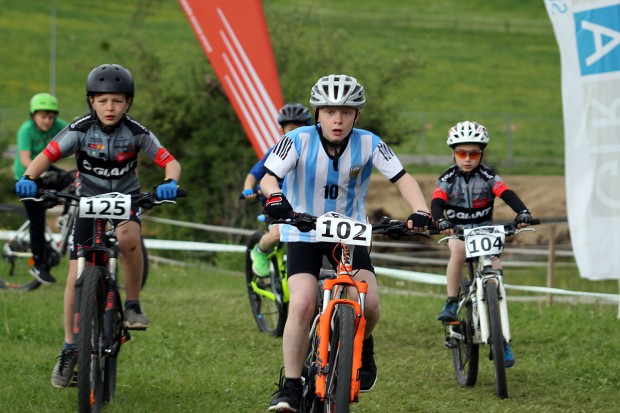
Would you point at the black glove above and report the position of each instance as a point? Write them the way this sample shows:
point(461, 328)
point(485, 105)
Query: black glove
point(421, 219)
point(277, 206)
point(444, 224)
point(524, 217)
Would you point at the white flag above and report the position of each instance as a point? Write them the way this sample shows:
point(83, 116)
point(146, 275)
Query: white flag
point(588, 34)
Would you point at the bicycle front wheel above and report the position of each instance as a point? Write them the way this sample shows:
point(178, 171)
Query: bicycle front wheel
point(464, 351)
point(265, 294)
point(340, 361)
point(496, 340)
point(16, 255)
point(91, 366)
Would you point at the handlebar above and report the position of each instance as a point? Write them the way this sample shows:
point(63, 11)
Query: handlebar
point(510, 228)
point(392, 228)
point(51, 198)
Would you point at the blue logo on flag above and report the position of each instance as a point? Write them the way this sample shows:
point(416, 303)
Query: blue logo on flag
point(598, 40)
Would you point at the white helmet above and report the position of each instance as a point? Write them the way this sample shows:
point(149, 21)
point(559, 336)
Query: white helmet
point(337, 90)
point(468, 132)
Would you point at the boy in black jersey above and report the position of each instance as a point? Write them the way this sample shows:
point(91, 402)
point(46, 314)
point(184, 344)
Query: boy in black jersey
point(464, 196)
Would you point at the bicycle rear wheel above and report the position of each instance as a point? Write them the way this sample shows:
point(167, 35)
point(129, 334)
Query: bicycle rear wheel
point(465, 352)
point(91, 365)
point(338, 384)
point(265, 294)
point(496, 340)
point(16, 262)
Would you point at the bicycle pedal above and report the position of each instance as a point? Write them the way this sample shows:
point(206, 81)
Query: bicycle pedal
point(450, 343)
point(74, 380)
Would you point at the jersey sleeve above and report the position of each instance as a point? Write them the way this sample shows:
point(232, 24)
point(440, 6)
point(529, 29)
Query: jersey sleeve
point(386, 161)
point(154, 149)
point(65, 143)
point(24, 142)
point(283, 157)
point(258, 170)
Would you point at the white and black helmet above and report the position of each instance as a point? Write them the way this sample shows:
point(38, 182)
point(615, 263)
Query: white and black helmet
point(294, 113)
point(337, 90)
point(468, 132)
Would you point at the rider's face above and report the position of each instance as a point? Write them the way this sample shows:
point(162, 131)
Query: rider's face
point(110, 107)
point(337, 122)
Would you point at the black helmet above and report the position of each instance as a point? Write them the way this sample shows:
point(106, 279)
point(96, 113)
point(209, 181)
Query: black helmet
point(110, 78)
point(294, 113)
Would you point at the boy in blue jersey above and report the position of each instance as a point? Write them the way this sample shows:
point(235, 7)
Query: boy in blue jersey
point(327, 168)
point(291, 116)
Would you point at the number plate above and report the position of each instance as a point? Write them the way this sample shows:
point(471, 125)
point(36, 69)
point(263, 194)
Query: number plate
point(113, 205)
point(334, 227)
point(488, 240)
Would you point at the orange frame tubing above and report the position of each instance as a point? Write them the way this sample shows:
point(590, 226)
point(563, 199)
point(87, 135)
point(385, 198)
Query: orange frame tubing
point(324, 333)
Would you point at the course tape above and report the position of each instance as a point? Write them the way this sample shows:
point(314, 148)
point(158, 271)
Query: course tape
point(414, 276)
point(404, 275)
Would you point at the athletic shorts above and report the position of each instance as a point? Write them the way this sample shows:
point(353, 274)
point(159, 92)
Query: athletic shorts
point(307, 257)
point(83, 230)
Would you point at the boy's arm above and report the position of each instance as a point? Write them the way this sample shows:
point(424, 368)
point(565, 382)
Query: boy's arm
point(411, 192)
point(269, 184)
point(39, 164)
point(172, 170)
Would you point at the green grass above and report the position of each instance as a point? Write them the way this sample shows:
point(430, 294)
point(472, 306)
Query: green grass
point(203, 353)
point(495, 63)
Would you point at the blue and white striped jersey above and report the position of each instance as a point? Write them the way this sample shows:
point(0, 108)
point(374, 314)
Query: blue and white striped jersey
point(315, 184)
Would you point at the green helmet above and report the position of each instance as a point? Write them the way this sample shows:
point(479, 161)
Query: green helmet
point(43, 101)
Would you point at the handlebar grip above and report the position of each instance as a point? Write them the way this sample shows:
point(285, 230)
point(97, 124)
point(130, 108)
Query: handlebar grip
point(535, 221)
point(181, 193)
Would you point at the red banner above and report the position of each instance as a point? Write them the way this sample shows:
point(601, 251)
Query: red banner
point(234, 36)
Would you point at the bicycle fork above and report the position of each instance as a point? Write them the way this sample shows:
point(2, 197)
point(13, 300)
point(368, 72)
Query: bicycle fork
point(490, 279)
point(325, 327)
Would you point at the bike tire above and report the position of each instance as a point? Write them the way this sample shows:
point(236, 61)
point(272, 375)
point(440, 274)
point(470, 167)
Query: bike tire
point(145, 263)
point(269, 315)
point(340, 361)
point(115, 323)
point(91, 365)
point(496, 340)
point(465, 353)
point(15, 270)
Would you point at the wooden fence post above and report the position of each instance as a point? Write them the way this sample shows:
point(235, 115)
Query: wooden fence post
point(551, 262)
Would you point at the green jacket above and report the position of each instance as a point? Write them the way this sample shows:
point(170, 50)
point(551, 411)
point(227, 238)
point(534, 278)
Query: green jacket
point(30, 138)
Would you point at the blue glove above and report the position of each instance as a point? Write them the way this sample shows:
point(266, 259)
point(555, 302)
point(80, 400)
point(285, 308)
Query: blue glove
point(247, 192)
point(26, 187)
point(167, 190)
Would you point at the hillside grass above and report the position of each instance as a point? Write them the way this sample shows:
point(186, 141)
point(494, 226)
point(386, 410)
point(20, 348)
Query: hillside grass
point(497, 63)
point(203, 353)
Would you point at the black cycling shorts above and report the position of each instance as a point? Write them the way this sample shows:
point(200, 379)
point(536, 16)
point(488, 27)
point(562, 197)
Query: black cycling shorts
point(307, 257)
point(83, 230)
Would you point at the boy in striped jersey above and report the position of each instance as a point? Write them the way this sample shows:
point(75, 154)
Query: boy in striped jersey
point(327, 168)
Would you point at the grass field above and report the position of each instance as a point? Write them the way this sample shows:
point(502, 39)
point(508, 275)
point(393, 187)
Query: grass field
point(203, 353)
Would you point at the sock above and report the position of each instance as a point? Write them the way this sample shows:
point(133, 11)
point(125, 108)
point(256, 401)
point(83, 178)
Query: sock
point(450, 300)
point(132, 303)
point(68, 346)
point(295, 382)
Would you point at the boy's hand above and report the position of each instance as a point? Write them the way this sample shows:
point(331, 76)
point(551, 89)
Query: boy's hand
point(523, 219)
point(26, 187)
point(167, 190)
point(444, 224)
point(277, 206)
point(420, 220)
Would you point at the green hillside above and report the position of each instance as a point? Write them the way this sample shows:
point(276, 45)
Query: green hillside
point(494, 62)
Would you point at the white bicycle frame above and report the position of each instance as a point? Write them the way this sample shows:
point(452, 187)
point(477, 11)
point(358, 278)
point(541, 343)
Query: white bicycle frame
point(483, 253)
